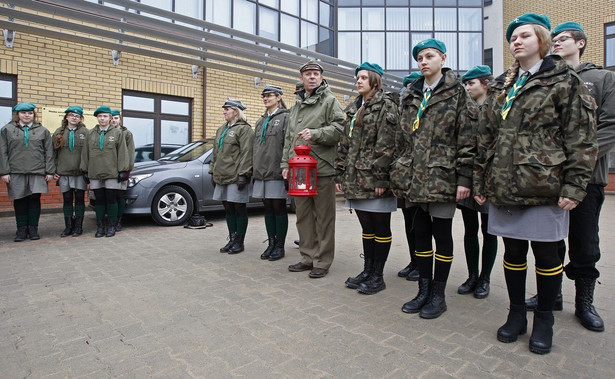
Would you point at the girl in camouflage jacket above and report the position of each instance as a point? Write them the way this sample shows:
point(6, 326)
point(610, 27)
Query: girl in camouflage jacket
point(536, 152)
point(364, 156)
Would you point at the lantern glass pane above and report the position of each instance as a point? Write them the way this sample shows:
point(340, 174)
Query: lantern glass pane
point(312, 179)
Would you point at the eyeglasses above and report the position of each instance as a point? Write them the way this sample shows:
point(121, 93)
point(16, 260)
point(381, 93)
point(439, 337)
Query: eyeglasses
point(561, 40)
point(74, 115)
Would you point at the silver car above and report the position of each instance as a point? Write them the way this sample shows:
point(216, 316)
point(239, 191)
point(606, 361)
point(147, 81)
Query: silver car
point(175, 186)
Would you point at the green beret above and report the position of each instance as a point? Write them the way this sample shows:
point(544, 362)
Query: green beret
point(528, 18)
point(411, 77)
point(311, 65)
point(476, 72)
point(115, 112)
point(272, 89)
point(234, 103)
point(566, 26)
point(102, 109)
point(74, 109)
point(26, 107)
point(369, 67)
point(427, 43)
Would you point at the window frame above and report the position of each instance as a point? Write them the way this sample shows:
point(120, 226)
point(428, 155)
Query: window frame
point(608, 37)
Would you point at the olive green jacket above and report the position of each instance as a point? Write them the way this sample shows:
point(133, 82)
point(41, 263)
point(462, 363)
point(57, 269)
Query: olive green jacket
point(323, 115)
point(108, 162)
point(439, 156)
point(235, 157)
point(546, 147)
point(16, 158)
point(268, 153)
point(130, 147)
point(364, 155)
point(68, 162)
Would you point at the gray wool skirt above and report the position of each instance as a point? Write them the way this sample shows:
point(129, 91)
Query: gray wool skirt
point(542, 223)
point(23, 185)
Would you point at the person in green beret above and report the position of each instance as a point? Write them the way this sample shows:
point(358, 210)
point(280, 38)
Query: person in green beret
point(569, 42)
point(476, 81)
point(433, 168)
point(364, 155)
point(269, 185)
point(105, 163)
point(231, 169)
point(116, 122)
point(26, 166)
point(68, 141)
point(536, 153)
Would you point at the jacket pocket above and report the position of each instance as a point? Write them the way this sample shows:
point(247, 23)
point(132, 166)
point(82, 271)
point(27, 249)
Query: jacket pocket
point(401, 173)
point(537, 173)
point(441, 169)
point(365, 177)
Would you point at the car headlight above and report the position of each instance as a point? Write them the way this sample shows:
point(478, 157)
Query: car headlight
point(134, 179)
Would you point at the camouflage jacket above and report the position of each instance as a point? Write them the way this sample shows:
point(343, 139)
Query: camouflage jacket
point(546, 147)
point(323, 115)
point(235, 157)
point(364, 157)
point(439, 156)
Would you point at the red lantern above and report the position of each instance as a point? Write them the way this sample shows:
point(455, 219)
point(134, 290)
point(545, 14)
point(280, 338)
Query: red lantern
point(302, 172)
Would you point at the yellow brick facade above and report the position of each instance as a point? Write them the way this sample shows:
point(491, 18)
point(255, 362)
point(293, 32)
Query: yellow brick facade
point(591, 15)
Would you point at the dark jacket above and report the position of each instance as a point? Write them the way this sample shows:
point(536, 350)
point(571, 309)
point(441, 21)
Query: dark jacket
point(546, 147)
point(130, 146)
point(67, 162)
point(601, 85)
point(16, 158)
point(268, 154)
point(439, 156)
point(323, 115)
point(364, 158)
point(235, 158)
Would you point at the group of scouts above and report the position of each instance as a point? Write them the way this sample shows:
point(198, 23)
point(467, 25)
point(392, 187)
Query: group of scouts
point(30, 157)
point(519, 152)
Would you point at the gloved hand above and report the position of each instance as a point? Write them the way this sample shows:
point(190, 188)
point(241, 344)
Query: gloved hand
point(122, 176)
point(241, 182)
point(86, 177)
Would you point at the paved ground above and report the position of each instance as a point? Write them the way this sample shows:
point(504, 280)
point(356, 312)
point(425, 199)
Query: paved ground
point(162, 302)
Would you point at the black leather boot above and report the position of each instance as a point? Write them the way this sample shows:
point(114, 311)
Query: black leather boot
point(375, 282)
point(405, 271)
point(237, 245)
point(532, 303)
point(469, 285)
point(68, 223)
point(78, 229)
point(21, 234)
point(482, 287)
point(541, 339)
point(100, 229)
point(516, 324)
point(231, 241)
point(111, 229)
point(437, 302)
point(278, 250)
point(267, 253)
point(368, 268)
point(118, 225)
point(33, 232)
point(584, 308)
point(413, 275)
point(415, 305)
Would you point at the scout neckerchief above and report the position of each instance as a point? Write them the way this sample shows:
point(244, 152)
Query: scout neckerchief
point(513, 93)
point(221, 140)
point(354, 118)
point(426, 96)
point(71, 140)
point(26, 134)
point(101, 141)
point(264, 129)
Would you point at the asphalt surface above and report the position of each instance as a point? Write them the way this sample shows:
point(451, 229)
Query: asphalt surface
point(163, 302)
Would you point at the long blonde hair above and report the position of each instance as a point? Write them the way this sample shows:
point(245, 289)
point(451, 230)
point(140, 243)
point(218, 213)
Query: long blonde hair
point(544, 45)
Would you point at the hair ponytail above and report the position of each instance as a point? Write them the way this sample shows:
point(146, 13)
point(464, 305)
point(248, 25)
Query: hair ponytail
point(513, 70)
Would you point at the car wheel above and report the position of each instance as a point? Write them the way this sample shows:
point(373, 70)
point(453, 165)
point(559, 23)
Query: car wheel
point(172, 206)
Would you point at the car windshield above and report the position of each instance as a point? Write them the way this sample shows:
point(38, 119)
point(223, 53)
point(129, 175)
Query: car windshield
point(189, 152)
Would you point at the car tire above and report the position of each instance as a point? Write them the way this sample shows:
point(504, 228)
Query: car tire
point(172, 206)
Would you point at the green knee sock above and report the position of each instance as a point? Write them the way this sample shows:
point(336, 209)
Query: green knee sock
point(100, 211)
point(112, 212)
point(67, 210)
point(79, 210)
point(21, 220)
point(33, 216)
point(242, 225)
point(231, 224)
point(270, 225)
point(121, 205)
point(281, 226)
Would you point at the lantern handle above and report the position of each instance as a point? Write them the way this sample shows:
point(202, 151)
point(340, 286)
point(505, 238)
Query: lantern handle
point(297, 138)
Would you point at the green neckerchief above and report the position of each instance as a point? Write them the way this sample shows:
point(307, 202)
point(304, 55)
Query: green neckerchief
point(264, 129)
point(221, 140)
point(71, 140)
point(426, 97)
point(512, 94)
point(26, 135)
point(101, 141)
